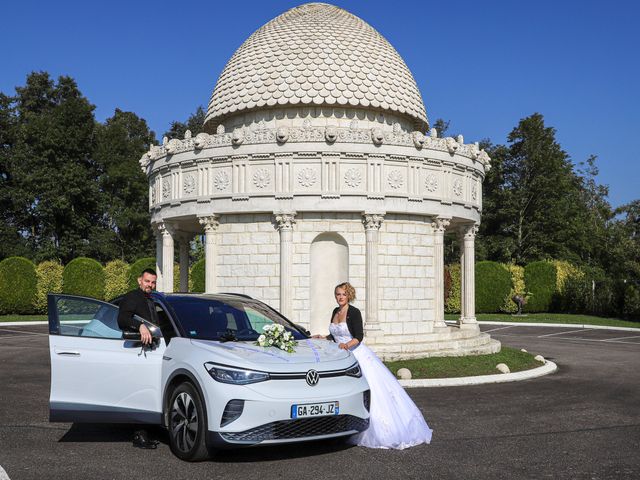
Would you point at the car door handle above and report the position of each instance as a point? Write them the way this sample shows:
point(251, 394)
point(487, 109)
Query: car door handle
point(69, 354)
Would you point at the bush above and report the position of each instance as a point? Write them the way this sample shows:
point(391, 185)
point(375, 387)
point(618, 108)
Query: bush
point(83, 276)
point(116, 276)
point(493, 284)
point(631, 309)
point(196, 277)
point(136, 269)
point(452, 303)
point(17, 285)
point(541, 280)
point(49, 280)
point(517, 288)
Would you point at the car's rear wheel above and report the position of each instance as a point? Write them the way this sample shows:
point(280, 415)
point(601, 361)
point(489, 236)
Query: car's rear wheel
point(187, 424)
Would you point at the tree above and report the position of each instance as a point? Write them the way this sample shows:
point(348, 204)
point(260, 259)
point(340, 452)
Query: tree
point(540, 210)
point(49, 166)
point(120, 142)
point(194, 123)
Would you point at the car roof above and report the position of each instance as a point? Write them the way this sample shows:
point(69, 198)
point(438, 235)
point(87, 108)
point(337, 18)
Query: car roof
point(204, 296)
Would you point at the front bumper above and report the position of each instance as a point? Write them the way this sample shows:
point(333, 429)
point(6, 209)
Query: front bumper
point(293, 430)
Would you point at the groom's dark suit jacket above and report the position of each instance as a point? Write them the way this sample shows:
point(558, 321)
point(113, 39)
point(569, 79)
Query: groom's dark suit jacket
point(135, 303)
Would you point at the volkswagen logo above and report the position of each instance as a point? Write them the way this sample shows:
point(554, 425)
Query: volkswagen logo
point(312, 377)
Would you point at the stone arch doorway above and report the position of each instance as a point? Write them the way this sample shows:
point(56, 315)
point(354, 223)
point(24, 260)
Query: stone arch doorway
point(329, 266)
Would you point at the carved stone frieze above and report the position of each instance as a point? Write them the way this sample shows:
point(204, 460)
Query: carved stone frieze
point(261, 178)
point(189, 184)
point(395, 179)
point(457, 187)
point(307, 177)
point(166, 189)
point(221, 181)
point(352, 177)
point(431, 182)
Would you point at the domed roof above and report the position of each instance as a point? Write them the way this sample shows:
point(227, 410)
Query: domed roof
point(316, 54)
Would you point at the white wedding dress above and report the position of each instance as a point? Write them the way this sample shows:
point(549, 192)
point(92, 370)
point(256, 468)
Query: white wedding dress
point(395, 422)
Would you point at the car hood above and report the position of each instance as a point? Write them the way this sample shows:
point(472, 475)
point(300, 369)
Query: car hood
point(247, 354)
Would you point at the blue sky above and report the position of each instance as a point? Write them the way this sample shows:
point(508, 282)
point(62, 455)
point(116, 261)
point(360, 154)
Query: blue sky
point(483, 65)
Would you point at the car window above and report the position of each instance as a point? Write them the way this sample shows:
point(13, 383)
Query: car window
point(83, 317)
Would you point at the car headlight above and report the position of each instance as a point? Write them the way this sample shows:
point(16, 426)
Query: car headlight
point(236, 376)
point(354, 371)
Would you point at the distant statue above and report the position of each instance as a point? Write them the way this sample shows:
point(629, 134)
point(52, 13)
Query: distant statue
point(520, 301)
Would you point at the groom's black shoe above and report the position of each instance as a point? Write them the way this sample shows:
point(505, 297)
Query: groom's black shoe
point(141, 440)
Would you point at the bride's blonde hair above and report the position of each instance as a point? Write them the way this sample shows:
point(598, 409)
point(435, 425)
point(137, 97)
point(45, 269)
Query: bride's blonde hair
point(348, 289)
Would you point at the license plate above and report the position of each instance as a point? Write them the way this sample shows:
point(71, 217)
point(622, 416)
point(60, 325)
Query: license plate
point(315, 409)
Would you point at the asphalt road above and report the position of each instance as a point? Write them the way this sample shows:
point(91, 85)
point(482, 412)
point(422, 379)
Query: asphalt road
point(581, 423)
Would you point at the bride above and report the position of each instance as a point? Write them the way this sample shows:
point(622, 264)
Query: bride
point(395, 421)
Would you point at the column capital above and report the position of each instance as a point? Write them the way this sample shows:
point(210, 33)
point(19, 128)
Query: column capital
point(209, 223)
point(164, 228)
point(372, 221)
point(440, 224)
point(469, 231)
point(284, 220)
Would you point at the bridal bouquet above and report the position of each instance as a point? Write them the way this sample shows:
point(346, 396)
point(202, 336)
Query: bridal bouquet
point(275, 335)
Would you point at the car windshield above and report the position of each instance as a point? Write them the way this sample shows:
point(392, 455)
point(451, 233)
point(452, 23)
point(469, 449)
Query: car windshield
point(241, 319)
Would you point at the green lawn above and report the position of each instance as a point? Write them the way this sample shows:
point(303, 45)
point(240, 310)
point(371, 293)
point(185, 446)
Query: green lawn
point(447, 367)
point(551, 318)
point(23, 318)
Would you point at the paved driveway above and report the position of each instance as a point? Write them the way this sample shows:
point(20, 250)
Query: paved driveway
point(580, 423)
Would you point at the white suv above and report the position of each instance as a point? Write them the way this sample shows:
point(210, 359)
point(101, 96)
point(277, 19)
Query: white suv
point(203, 378)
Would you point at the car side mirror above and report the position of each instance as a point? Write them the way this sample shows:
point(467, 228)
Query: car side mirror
point(135, 337)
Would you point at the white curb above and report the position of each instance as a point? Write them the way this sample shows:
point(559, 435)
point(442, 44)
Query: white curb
point(542, 324)
point(546, 369)
point(3, 474)
point(21, 324)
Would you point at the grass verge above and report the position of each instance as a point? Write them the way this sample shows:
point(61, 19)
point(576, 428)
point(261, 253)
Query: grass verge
point(23, 318)
point(567, 318)
point(446, 367)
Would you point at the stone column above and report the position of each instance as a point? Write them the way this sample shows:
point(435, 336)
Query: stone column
point(372, 223)
point(210, 224)
point(285, 223)
point(158, 234)
point(439, 226)
point(467, 267)
point(184, 262)
point(166, 283)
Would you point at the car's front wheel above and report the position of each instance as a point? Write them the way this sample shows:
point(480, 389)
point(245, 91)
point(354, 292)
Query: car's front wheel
point(187, 424)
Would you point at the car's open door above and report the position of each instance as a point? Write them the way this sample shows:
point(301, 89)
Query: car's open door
point(96, 374)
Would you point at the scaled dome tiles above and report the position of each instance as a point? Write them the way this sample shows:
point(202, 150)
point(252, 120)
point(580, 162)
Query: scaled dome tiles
point(316, 54)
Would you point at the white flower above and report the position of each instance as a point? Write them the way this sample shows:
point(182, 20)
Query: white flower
point(261, 338)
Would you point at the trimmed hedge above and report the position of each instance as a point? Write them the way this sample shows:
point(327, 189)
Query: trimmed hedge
point(493, 284)
point(196, 277)
point(49, 275)
point(541, 281)
point(453, 294)
point(136, 269)
point(116, 276)
point(631, 308)
point(83, 276)
point(517, 288)
point(18, 284)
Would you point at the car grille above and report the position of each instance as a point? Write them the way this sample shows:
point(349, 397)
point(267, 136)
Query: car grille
point(299, 428)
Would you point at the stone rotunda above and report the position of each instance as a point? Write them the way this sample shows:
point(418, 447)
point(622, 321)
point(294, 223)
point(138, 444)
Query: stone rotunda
point(317, 167)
